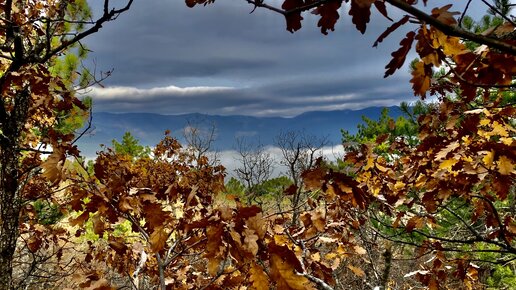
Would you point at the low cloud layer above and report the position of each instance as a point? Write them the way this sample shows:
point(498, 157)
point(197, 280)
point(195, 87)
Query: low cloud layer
point(266, 100)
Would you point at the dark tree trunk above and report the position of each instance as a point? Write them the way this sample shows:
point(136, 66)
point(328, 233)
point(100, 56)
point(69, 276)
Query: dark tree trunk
point(9, 214)
point(12, 123)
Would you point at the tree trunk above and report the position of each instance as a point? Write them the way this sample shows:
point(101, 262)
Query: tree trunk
point(8, 236)
point(9, 215)
point(12, 123)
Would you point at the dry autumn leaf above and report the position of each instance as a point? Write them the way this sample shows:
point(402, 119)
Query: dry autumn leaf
point(415, 222)
point(421, 78)
point(258, 277)
point(359, 250)
point(329, 15)
point(53, 166)
point(360, 11)
point(505, 165)
point(357, 271)
point(257, 224)
point(158, 239)
point(444, 15)
point(250, 241)
point(398, 57)
point(318, 220)
point(285, 276)
point(488, 158)
point(448, 164)
point(446, 150)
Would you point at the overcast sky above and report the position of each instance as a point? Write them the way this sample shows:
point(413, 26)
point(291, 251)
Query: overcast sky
point(171, 59)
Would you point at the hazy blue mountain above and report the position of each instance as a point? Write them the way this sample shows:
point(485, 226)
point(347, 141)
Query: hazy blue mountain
point(149, 128)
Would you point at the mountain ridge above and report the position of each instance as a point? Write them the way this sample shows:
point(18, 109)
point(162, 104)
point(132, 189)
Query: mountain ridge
point(149, 128)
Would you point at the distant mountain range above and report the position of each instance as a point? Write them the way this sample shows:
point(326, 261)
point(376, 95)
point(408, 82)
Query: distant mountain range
point(149, 128)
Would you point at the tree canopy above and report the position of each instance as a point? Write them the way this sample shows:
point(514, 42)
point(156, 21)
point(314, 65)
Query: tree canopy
point(38, 75)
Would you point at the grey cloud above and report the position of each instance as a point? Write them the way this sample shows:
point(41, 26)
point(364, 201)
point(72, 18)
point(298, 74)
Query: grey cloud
point(263, 101)
point(162, 43)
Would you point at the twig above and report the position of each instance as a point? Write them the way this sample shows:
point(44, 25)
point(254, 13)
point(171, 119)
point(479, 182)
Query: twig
point(464, 13)
point(90, 119)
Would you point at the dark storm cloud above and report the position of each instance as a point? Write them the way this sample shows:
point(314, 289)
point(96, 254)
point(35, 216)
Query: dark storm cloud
point(324, 85)
point(220, 59)
point(278, 99)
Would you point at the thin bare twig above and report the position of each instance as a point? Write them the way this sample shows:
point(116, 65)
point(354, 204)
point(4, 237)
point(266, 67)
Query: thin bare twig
point(464, 13)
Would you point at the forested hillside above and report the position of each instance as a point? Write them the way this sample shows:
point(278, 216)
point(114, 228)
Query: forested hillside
point(149, 128)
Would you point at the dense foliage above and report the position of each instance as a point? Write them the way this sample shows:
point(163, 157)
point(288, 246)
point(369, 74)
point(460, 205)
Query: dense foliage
point(38, 110)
